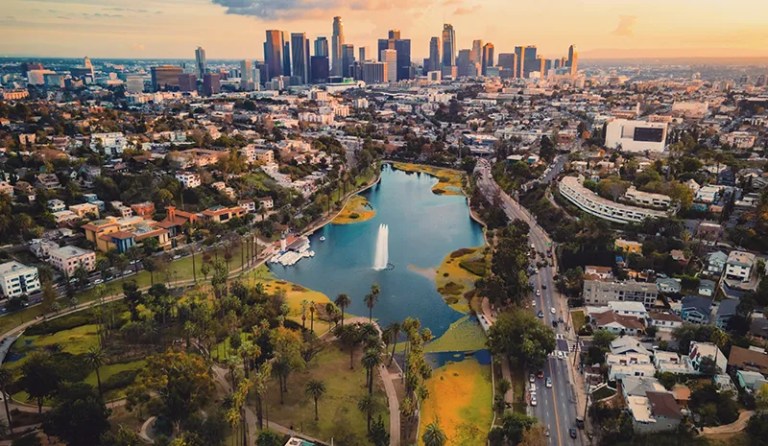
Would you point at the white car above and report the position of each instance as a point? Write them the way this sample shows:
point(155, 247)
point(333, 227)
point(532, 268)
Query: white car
point(538, 293)
point(533, 388)
point(533, 401)
point(560, 355)
point(533, 303)
point(549, 382)
point(552, 310)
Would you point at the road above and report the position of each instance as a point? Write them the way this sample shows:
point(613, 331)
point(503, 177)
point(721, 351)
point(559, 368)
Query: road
point(556, 408)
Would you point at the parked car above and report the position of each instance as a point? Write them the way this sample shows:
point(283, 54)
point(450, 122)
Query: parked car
point(552, 310)
point(531, 378)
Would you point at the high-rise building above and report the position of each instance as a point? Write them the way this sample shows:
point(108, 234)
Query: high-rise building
point(321, 47)
point(434, 54)
point(211, 84)
point(488, 57)
point(449, 46)
point(374, 72)
point(530, 61)
point(273, 54)
point(389, 57)
point(508, 61)
point(520, 67)
point(476, 55)
point(187, 82)
point(362, 54)
point(200, 61)
point(347, 59)
point(286, 57)
point(403, 48)
point(394, 34)
point(320, 71)
point(464, 63)
point(337, 40)
point(573, 60)
point(300, 56)
point(165, 77)
point(88, 65)
point(246, 76)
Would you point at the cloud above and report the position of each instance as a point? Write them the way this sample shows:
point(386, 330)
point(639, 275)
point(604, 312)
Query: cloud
point(295, 9)
point(138, 47)
point(626, 26)
point(461, 10)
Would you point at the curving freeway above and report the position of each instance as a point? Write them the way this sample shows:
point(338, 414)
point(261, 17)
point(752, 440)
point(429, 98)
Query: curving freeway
point(556, 408)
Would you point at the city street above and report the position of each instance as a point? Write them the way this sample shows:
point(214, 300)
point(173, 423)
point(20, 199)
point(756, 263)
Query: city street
point(556, 408)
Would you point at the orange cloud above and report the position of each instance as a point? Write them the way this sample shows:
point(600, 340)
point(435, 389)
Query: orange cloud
point(626, 26)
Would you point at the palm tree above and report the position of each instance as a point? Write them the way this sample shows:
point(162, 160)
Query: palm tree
point(370, 360)
point(6, 378)
point(433, 435)
point(342, 301)
point(349, 336)
point(392, 332)
point(368, 406)
point(312, 317)
point(95, 358)
point(315, 389)
point(371, 299)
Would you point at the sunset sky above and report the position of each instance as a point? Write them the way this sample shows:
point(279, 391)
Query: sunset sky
point(235, 28)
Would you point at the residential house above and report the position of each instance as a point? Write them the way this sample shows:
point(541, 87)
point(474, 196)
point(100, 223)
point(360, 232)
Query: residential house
point(628, 345)
point(600, 293)
point(628, 246)
point(738, 267)
point(41, 247)
point(266, 203)
point(664, 320)
point(748, 359)
point(758, 326)
point(640, 386)
point(221, 214)
point(64, 217)
point(696, 309)
point(724, 383)
point(707, 287)
point(632, 309)
point(716, 263)
point(68, 259)
point(750, 381)
point(598, 272)
point(658, 412)
point(701, 350)
point(617, 324)
point(175, 219)
point(669, 285)
point(144, 209)
point(85, 210)
point(189, 180)
point(672, 362)
point(630, 364)
point(123, 233)
point(725, 311)
point(48, 181)
point(56, 205)
point(248, 205)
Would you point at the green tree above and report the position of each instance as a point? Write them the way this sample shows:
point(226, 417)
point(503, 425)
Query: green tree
point(368, 406)
point(371, 299)
point(95, 358)
point(40, 378)
point(342, 301)
point(287, 346)
point(517, 333)
point(378, 434)
point(269, 438)
point(433, 435)
point(350, 337)
point(6, 380)
point(79, 416)
point(370, 360)
point(315, 389)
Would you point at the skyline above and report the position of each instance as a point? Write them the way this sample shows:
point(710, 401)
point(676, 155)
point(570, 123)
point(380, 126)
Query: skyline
point(172, 29)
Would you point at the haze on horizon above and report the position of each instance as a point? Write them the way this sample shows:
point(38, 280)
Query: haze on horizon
point(235, 28)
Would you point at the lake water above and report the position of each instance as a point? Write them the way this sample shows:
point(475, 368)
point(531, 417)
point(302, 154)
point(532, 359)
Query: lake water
point(423, 228)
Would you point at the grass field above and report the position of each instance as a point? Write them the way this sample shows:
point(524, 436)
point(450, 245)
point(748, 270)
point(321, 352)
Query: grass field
point(294, 294)
point(357, 210)
point(578, 318)
point(463, 335)
point(450, 182)
point(454, 279)
point(338, 411)
point(107, 371)
point(460, 398)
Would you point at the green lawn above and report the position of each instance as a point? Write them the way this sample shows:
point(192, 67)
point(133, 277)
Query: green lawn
point(463, 335)
point(107, 371)
point(338, 408)
point(578, 318)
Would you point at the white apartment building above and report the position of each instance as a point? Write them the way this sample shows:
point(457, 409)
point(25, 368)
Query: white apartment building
point(113, 142)
point(600, 293)
point(629, 308)
point(589, 202)
point(739, 266)
point(17, 279)
point(636, 136)
point(189, 180)
point(647, 199)
point(68, 259)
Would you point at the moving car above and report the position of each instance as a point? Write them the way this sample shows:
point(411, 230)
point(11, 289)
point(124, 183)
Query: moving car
point(540, 314)
point(552, 310)
point(549, 382)
point(531, 378)
point(560, 354)
point(533, 401)
point(572, 432)
point(533, 388)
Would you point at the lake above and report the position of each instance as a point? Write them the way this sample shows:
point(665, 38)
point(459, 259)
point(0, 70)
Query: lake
point(422, 229)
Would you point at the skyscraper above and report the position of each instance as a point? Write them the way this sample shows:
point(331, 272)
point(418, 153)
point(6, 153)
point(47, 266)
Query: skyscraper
point(246, 76)
point(321, 47)
point(389, 57)
point(211, 84)
point(464, 64)
point(520, 61)
point(300, 56)
point(337, 40)
point(286, 56)
point(488, 57)
point(403, 48)
point(362, 54)
point(476, 55)
point(394, 34)
point(508, 61)
point(273, 54)
point(374, 72)
point(88, 65)
point(347, 59)
point(187, 82)
point(165, 77)
point(573, 60)
point(449, 46)
point(319, 70)
point(530, 61)
point(434, 54)
point(200, 62)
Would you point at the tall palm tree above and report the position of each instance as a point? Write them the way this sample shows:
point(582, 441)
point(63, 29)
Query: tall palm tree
point(312, 317)
point(95, 359)
point(433, 435)
point(367, 405)
point(350, 337)
point(371, 299)
point(394, 330)
point(315, 389)
point(6, 378)
point(370, 360)
point(342, 301)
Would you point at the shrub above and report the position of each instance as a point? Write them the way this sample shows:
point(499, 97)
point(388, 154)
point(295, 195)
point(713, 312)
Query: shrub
point(63, 323)
point(119, 380)
point(476, 267)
